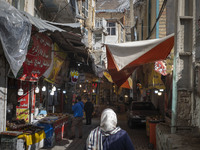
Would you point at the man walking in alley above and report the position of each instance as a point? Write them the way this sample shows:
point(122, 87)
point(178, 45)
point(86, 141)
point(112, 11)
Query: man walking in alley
point(89, 108)
point(77, 121)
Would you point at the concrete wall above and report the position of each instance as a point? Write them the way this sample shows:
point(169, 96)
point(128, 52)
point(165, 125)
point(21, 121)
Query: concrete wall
point(170, 17)
point(180, 141)
point(196, 103)
point(29, 7)
point(90, 21)
point(3, 90)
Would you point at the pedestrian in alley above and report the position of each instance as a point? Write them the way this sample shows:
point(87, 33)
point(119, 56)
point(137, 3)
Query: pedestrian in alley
point(89, 108)
point(108, 136)
point(77, 121)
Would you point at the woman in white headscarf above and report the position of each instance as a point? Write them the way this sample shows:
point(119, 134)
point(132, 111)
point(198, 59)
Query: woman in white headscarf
point(108, 136)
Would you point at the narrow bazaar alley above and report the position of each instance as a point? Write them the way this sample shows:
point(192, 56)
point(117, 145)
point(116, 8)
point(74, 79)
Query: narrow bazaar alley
point(138, 136)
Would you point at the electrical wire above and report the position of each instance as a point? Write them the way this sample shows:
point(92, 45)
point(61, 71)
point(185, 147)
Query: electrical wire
point(159, 15)
point(60, 11)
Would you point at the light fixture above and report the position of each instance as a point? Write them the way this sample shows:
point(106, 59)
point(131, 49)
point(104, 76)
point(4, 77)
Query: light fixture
point(79, 64)
point(52, 92)
point(58, 89)
point(84, 91)
point(93, 91)
point(125, 95)
point(37, 89)
point(44, 88)
point(80, 85)
point(54, 88)
point(159, 93)
point(64, 91)
point(161, 90)
point(20, 91)
point(156, 91)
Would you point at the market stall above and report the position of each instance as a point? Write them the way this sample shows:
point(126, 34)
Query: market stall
point(33, 136)
point(55, 127)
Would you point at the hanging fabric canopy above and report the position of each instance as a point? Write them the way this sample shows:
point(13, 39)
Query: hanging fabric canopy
point(127, 84)
point(124, 58)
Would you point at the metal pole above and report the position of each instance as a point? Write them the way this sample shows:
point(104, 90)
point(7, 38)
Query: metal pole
point(47, 97)
point(157, 24)
point(174, 88)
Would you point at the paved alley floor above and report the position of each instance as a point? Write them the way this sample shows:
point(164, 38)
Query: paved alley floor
point(138, 136)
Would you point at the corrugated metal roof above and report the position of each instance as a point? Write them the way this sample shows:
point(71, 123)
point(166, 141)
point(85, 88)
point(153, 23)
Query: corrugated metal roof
point(112, 5)
point(43, 25)
point(109, 10)
point(72, 25)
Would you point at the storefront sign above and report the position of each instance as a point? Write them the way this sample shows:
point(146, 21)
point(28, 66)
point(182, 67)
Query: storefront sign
point(154, 80)
point(74, 76)
point(22, 110)
point(23, 100)
point(59, 57)
point(38, 58)
point(160, 68)
point(22, 113)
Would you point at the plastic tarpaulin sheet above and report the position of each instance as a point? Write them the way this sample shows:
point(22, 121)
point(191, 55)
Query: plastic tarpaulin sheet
point(15, 32)
point(124, 58)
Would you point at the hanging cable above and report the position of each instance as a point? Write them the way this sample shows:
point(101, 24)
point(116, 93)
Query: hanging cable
point(159, 15)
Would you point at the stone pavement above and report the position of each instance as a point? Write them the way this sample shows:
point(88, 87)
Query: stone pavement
point(138, 136)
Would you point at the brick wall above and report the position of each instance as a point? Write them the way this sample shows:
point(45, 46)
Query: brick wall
point(162, 21)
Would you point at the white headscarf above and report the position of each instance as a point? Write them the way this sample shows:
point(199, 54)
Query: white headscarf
point(107, 127)
point(108, 120)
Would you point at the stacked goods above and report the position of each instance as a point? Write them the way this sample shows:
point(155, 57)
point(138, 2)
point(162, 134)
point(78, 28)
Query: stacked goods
point(33, 135)
point(15, 124)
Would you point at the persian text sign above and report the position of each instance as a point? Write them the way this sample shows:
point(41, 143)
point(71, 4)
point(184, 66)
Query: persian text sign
point(24, 99)
point(22, 113)
point(38, 58)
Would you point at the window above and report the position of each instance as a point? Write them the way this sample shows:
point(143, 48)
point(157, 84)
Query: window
point(111, 28)
point(98, 23)
point(85, 8)
point(98, 37)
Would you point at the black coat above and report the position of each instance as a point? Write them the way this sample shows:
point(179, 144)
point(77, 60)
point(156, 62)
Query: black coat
point(89, 107)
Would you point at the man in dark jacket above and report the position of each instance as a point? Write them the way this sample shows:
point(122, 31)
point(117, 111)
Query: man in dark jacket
point(77, 121)
point(89, 108)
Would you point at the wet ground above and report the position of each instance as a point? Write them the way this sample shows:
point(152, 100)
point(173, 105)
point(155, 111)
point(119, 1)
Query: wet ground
point(138, 136)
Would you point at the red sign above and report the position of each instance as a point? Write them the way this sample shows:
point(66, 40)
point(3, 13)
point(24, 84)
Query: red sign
point(24, 99)
point(38, 58)
point(160, 68)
